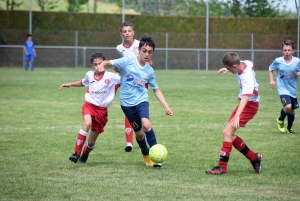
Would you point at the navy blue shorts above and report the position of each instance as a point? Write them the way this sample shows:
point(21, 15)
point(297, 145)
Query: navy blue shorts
point(285, 100)
point(135, 113)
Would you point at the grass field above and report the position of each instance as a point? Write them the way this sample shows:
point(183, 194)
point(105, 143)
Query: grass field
point(39, 125)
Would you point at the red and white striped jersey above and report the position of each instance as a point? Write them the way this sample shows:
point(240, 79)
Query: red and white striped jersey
point(248, 83)
point(130, 51)
point(101, 91)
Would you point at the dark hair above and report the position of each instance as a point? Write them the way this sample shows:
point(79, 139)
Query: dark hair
point(28, 35)
point(230, 59)
point(126, 24)
point(287, 42)
point(147, 40)
point(97, 56)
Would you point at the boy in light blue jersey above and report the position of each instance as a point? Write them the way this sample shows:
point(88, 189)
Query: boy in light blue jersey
point(135, 73)
point(287, 73)
point(29, 52)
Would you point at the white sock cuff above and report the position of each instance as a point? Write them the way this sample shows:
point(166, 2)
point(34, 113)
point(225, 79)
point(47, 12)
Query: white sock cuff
point(92, 146)
point(82, 132)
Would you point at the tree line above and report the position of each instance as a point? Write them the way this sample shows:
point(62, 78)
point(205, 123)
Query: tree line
point(218, 8)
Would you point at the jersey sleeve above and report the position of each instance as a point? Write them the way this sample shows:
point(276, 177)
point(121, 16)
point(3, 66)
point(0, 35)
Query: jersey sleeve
point(274, 65)
point(120, 63)
point(85, 81)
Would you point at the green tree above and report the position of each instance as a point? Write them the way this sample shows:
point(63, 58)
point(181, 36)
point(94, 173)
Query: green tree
point(47, 4)
point(75, 5)
point(12, 4)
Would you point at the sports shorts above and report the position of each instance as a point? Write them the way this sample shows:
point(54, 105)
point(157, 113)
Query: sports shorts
point(98, 114)
point(247, 114)
point(286, 100)
point(135, 114)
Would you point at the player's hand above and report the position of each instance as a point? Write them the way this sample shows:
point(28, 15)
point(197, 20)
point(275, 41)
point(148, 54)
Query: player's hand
point(272, 84)
point(63, 85)
point(235, 122)
point(168, 111)
point(223, 70)
point(298, 74)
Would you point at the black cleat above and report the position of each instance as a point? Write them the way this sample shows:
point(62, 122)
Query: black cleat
point(128, 147)
point(83, 158)
point(216, 171)
point(74, 157)
point(256, 163)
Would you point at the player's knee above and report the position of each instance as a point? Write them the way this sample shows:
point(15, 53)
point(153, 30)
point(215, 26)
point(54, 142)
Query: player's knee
point(288, 108)
point(87, 125)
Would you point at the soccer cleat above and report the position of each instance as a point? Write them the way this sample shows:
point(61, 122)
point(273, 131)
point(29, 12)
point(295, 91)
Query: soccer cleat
point(74, 157)
point(216, 171)
point(83, 158)
point(280, 125)
point(128, 147)
point(158, 165)
point(148, 161)
point(256, 163)
point(290, 131)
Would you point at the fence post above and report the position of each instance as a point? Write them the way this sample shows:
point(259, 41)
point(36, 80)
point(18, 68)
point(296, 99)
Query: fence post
point(198, 55)
point(83, 57)
point(76, 50)
point(167, 51)
point(252, 51)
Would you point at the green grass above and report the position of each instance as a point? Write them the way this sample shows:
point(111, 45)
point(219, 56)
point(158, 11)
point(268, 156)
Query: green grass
point(39, 125)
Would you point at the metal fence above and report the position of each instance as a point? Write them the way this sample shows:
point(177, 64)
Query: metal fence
point(163, 58)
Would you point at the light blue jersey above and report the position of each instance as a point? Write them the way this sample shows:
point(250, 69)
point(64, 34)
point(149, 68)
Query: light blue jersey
point(133, 80)
point(286, 78)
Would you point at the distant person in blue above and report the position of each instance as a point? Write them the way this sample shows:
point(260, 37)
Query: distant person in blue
point(135, 73)
point(29, 53)
point(287, 69)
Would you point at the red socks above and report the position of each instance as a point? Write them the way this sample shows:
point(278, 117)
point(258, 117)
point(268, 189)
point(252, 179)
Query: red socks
point(239, 144)
point(128, 131)
point(224, 155)
point(81, 137)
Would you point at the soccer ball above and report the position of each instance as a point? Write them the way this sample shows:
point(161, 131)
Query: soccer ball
point(158, 153)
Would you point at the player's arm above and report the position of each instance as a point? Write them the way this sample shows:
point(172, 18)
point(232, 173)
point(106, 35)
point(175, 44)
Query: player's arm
point(34, 52)
point(100, 68)
point(25, 50)
point(223, 70)
point(71, 84)
point(235, 122)
point(272, 82)
point(159, 95)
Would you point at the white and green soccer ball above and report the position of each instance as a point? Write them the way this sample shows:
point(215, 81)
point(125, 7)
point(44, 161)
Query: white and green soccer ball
point(158, 153)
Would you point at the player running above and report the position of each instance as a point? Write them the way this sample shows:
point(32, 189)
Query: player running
point(101, 92)
point(129, 48)
point(287, 69)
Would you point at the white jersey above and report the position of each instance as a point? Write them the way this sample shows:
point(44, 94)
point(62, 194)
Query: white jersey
point(129, 51)
point(100, 92)
point(248, 83)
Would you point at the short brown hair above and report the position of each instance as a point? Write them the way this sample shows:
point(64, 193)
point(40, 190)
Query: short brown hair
point(230, 59)
point(288, 42)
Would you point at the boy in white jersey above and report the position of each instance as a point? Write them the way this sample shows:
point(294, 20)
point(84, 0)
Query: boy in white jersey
point(287, 69)
point(244, 112)
point(135, 72)
point(129, 48)
point(100, 94)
